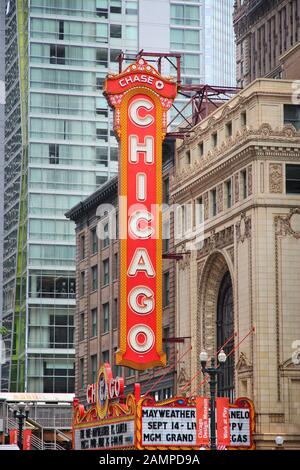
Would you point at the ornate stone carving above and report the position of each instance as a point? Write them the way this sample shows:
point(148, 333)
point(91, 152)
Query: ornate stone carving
point(289, 130)
point(200, 267)
point(217, 241)
point(206, 206)
point(182, 377)
point(291, 364)
point(230, 251)
point(185, 261)
point(289, 224)
point(250, 182)
point(236, 180)
point(243, 228)
point(243, 364)
point(275, 178)
point(265, 129)
point(220, 198)
point(287, 133)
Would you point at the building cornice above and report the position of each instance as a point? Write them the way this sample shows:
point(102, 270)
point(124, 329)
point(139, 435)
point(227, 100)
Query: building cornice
point(109, 189)
point(247, 145)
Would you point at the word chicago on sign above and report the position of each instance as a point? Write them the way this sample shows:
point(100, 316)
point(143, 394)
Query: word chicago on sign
point(141, 99)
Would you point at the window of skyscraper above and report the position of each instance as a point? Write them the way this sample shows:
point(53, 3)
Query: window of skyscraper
point(131, 33)
point(61, 30)
point(102, 8)
point(101, 179)
point(101, 133)
point(114, 154)
point(101, 56)
point(190, 64)
point(101, 156)
point(57, 54)
point(101, 32)
point(185, 15)
point(114, 54)
point(115, 31)
point(115, 6)
point(60, 335)
point(54, 154)
point(185, 39)
point(101, 107)
point(99, 83)
point(131, 8)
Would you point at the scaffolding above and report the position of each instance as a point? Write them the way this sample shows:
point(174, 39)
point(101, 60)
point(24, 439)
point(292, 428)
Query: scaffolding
point(201, 99)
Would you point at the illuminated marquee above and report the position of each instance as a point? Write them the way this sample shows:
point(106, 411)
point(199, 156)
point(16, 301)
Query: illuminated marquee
point(141, 98)
point(108, 420)
point(113, 420)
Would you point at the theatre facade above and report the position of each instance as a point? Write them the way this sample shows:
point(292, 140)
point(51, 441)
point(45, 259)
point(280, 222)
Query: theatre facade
point(238, 176)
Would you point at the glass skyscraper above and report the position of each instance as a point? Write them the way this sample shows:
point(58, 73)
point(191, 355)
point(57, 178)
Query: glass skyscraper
point(202, 32)
point(60, 146)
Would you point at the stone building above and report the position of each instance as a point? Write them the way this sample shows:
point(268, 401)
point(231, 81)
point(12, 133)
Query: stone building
point(97, 272)
point(239, 174)
point(265, 31)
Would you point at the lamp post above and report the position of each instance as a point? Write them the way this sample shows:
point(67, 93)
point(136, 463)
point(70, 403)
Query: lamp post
point(212, 371)
point(20, 413)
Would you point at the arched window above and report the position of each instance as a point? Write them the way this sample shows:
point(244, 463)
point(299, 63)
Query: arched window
point(225, 330)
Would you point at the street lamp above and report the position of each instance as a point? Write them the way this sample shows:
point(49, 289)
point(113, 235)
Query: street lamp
point(212, 371)
point(20, 413)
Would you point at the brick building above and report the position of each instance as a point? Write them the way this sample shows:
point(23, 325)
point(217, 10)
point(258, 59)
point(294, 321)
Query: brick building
point(97, 272)
point(265, 31)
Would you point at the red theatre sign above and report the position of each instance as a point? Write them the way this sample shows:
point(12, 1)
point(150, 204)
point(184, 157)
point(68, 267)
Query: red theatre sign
point(141, 98)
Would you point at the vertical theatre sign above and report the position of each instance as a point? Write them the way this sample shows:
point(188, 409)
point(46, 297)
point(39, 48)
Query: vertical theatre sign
point(141, 98)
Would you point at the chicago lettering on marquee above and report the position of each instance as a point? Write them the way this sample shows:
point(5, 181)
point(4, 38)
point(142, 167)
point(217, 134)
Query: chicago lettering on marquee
point(141, 98)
